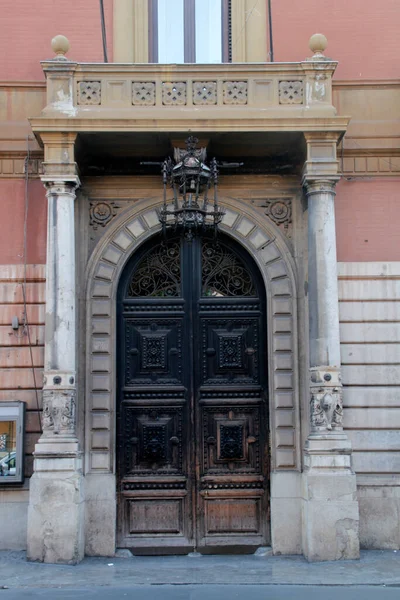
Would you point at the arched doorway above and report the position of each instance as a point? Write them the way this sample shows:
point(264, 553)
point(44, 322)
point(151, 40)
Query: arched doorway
point(192, 410)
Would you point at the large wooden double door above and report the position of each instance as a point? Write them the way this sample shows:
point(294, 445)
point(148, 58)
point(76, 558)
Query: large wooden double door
point(192, 411)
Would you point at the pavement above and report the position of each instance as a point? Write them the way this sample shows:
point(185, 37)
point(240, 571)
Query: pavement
point(202, 573)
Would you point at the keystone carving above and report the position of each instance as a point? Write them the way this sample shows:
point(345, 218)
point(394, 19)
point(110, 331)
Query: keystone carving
point(59, 412)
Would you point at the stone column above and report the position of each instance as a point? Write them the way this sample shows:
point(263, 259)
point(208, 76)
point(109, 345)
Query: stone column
point(56, 502)
point(330, 507)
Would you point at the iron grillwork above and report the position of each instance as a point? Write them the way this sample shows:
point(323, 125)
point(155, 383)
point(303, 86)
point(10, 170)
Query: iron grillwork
point(190, 179)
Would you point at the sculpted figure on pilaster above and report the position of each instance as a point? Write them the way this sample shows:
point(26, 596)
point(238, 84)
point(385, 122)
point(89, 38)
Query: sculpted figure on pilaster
point(326, 404)
point(326, 410)
point(59, 412)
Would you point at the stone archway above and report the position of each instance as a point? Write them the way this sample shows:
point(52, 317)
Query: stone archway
point(271, 253)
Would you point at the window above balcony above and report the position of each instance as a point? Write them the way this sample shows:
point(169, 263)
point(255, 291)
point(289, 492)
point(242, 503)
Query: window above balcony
point(189, 31)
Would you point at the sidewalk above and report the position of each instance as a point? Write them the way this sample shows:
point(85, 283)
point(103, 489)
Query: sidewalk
point(374, 568)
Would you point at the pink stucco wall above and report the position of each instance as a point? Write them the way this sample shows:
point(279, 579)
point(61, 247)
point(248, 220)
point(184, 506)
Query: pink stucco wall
point(12, 202)
point(367, 220)
point(363, 35)
point(27, 28)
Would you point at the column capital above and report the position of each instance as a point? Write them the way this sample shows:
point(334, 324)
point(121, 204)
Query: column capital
point(319, 185)
point(61, 187)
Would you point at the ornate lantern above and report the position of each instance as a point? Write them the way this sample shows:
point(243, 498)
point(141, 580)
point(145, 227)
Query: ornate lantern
point(190, 179)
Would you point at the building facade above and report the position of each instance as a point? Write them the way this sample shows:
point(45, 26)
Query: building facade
point(197, 391)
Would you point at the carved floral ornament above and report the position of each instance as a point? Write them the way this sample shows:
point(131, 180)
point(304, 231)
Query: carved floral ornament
point(176, 93)
point(89, 92)
point(101, 213)
point(279, 210)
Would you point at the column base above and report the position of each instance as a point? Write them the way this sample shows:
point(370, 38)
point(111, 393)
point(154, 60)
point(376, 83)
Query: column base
point(330, 506)
point(56, 504)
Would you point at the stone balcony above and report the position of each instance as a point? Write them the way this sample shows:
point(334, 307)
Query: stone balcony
point(269, 106)
point(261, 96)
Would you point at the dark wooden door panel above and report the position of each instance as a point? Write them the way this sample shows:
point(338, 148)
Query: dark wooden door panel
point(229, 351)
point(153, 351)
point(192, 418)
point(153, 440)
point(231, 440)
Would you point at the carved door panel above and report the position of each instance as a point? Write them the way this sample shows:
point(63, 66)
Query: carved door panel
point(192, 422)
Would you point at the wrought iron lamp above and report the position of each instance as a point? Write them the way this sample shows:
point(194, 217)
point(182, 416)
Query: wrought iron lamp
point(190, 179)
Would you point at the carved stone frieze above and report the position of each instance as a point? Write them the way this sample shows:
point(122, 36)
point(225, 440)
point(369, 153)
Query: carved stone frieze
point(234, 92)
point(101, 213)
point(143, 93)
point(204, 92)
point(59, 412)
point(291, 92)
point(279, 210)
point(174, 93)
point(89, 92)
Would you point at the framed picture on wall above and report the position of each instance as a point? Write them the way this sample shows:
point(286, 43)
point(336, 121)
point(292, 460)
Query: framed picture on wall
point(12, 427)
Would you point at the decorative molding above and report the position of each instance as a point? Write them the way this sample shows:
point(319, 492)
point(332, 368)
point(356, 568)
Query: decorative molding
point(12, 164)
point(234, 92)
point(143, 93)
point(181, 485)
point(364, 163)
point(234, 486)
point(291, 92)
point(174, 93)
point(89, 92)
point(204, 92)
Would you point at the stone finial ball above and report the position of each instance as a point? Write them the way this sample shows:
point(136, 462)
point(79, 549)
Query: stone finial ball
point(60, 44)
point(318, 43)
